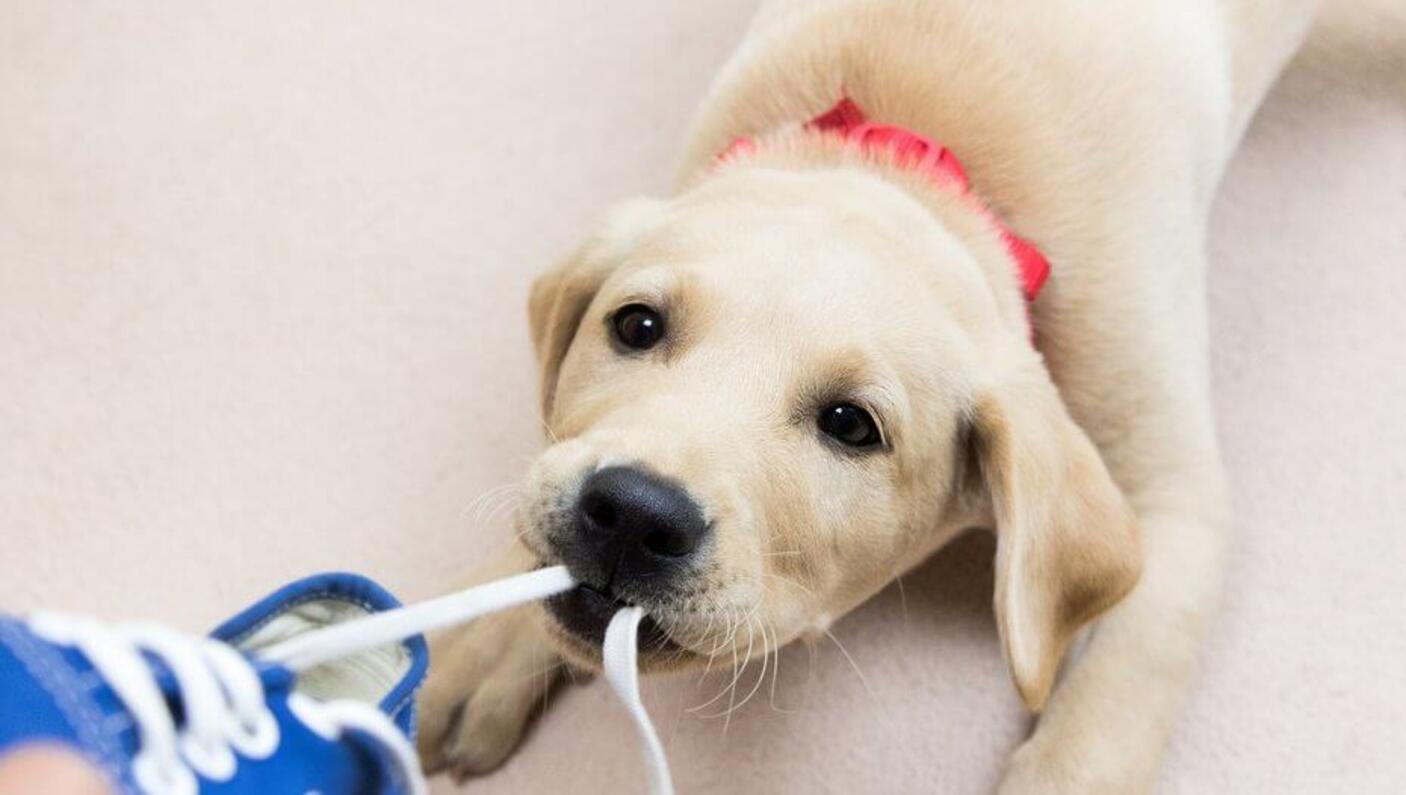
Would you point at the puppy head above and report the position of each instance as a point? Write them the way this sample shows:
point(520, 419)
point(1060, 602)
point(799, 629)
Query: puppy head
point(772, 394)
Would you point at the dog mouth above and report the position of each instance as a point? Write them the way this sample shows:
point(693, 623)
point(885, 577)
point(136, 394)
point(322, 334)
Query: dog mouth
point(584, 612)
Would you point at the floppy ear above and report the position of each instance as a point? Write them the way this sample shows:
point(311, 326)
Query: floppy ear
point(558, 300)
point(1067, 542)
point(560, 297)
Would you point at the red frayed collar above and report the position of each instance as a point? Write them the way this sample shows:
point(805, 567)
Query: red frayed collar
point(922, 154)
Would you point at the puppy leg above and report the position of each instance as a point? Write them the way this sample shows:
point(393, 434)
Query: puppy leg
point(486, 681)
point(1104, 729)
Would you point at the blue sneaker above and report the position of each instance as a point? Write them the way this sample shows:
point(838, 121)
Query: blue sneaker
point(166, 714)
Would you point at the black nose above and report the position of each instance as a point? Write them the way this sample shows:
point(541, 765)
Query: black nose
point(638, 522)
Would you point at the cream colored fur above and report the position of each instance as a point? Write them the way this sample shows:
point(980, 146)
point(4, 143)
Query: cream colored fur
point(1097, 130)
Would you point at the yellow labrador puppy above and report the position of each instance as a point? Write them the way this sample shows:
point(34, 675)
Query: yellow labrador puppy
point(778, 389)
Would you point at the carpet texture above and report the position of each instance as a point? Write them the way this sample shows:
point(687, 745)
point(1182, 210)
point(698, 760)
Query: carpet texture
point(262, 276)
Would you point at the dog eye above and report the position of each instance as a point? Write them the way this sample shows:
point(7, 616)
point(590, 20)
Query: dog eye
point(849, 424)
point(638, 327)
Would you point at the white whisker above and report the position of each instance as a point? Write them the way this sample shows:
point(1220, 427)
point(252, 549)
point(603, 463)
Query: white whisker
point(852, 664)
point(475, 507)
point(776, 672)
point(765, 659)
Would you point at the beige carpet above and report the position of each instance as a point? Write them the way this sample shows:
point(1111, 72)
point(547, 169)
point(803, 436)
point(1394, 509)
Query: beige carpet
point(262, 269)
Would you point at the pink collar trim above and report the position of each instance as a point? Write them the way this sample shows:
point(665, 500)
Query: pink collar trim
point(924, 155)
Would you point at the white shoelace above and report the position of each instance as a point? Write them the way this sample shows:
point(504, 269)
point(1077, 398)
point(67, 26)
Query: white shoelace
point(226, 715)
point(223, 698)
point(622, 671)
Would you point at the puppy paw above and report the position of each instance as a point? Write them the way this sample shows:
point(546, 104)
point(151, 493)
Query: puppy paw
point(486, 682)
point(1045, 767)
